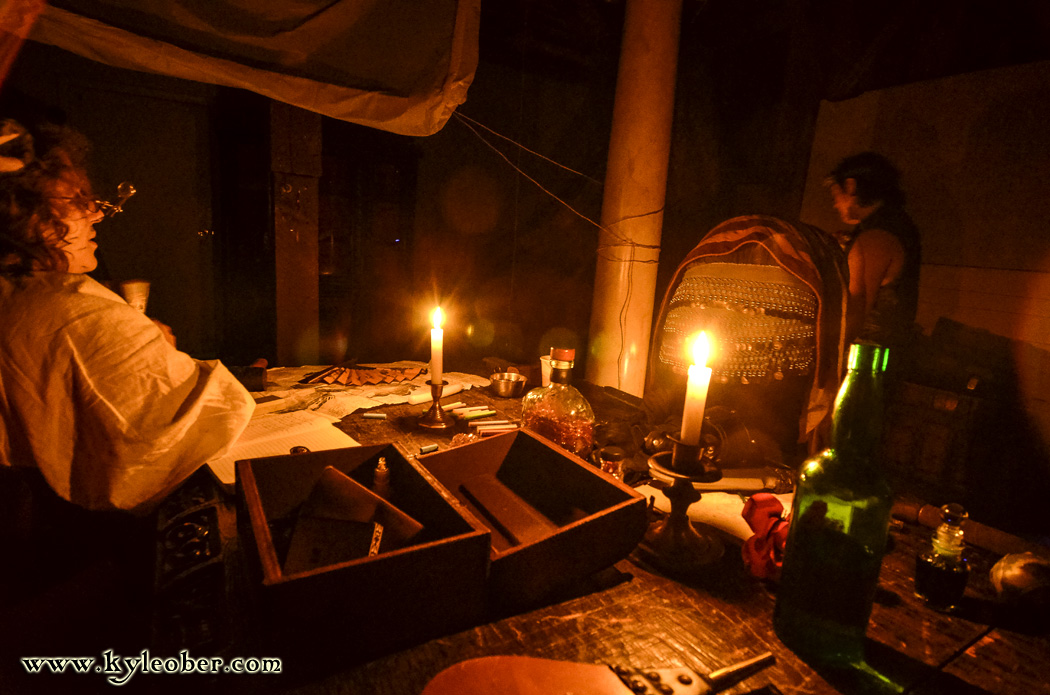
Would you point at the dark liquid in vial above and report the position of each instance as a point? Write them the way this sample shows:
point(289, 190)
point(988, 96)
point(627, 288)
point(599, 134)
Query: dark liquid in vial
point(940, 584)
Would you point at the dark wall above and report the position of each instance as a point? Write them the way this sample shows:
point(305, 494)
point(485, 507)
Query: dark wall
point(155, 132)
point(244, 219)
point(504, 240)
point(512, 263)
point(366, 241)
point(515, 262)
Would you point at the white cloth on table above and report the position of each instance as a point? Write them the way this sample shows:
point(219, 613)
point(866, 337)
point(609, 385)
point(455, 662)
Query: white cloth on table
point(93, 395)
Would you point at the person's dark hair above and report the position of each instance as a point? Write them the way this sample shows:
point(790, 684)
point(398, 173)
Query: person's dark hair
point(42, 177)
point(877, 178)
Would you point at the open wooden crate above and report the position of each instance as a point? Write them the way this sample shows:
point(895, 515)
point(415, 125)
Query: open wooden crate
point(371, 605)
point(553, 517)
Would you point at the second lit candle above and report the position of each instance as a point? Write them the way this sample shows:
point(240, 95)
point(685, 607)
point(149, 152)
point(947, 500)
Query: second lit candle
point(696, 392)
point(437, 317)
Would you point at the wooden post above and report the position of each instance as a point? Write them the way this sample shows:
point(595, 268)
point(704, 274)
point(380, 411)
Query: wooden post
point(295, 161)
point(635, 190)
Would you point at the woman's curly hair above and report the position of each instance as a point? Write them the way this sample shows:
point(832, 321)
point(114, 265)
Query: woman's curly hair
point(36, 195)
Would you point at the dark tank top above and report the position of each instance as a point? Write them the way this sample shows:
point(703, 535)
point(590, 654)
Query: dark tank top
point(891, 319)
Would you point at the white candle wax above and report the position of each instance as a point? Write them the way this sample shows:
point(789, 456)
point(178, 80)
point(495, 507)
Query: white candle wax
point(696, 393)
point(436, 346)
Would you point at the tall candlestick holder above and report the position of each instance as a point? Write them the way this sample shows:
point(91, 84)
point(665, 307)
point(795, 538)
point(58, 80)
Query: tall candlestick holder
point(436, 418)
point(674, 544)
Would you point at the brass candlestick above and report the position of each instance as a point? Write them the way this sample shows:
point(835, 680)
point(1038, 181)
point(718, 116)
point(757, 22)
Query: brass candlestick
point(674, 544)
point(436, 418)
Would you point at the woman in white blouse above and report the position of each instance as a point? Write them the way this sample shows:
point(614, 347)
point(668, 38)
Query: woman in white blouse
point(93, 394)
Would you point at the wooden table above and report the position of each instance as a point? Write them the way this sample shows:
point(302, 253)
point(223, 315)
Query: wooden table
point(624, 615)
point(634, 616)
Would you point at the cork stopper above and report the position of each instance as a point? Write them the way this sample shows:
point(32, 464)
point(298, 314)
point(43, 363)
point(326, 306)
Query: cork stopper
point(563, 354)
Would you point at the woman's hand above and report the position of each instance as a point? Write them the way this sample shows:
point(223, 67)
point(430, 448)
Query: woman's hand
point(166, 330)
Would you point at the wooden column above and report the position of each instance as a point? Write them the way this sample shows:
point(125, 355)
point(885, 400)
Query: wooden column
point(635, 190)
point(295, 161)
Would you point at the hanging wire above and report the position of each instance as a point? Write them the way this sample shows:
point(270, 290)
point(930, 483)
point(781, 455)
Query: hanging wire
point(624, 241)
point(460, 116)
point(601, 250)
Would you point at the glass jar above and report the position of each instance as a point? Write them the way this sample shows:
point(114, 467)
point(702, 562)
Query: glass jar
point(941, 571)
point(559, 411)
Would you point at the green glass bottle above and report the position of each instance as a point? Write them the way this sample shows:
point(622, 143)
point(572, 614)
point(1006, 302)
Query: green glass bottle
point(839, 525)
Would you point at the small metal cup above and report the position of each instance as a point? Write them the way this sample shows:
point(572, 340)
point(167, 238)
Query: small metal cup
point(508, 384)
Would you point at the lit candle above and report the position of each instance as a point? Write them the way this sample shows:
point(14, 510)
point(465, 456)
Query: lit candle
point(436, 338)
point(696, 392)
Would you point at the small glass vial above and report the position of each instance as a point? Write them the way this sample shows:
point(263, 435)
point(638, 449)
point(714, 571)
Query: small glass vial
point(941, 572)
point(559, 411)
point(381, 481)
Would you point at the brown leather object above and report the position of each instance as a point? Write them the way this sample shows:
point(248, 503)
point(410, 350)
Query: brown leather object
point(519, 675)
point(526, 675)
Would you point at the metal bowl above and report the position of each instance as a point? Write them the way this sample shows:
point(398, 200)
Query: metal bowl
point(508, 384)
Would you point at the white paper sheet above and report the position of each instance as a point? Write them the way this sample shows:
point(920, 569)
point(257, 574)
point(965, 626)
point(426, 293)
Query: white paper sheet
point(719, 509)
point(339, 400)
point(276, 434)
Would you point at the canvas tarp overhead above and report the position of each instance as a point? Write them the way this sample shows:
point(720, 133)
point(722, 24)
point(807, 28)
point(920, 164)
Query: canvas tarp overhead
point(398, 65)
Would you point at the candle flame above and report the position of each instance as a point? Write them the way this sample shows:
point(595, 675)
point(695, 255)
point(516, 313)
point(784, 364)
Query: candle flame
point(701, 349)
point(437, 317)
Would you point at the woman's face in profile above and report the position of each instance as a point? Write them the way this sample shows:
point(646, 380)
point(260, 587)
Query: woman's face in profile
point(78, 245)
point(845, 203)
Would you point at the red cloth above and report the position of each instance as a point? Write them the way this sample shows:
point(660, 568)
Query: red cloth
point(764, 552)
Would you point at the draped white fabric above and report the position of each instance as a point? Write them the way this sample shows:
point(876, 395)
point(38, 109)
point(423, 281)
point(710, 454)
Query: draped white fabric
point(94, 396)
point(398, 65)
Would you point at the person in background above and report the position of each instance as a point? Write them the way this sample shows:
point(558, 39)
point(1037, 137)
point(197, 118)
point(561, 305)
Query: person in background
point(884, 251)
point(93, 394)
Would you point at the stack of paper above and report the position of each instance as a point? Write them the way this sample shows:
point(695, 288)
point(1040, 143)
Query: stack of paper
point(277, 434)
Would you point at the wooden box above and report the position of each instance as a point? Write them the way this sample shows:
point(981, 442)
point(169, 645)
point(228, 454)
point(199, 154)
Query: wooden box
point(363, 607)
point(927, 441)
point(553, 517)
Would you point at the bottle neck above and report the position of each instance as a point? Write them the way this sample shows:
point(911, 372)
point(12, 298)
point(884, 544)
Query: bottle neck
point(948, 541)
point(856, 424)
point(561, 375)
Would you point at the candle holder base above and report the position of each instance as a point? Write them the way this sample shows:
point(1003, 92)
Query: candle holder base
point(436, 418)
point(674, 544)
